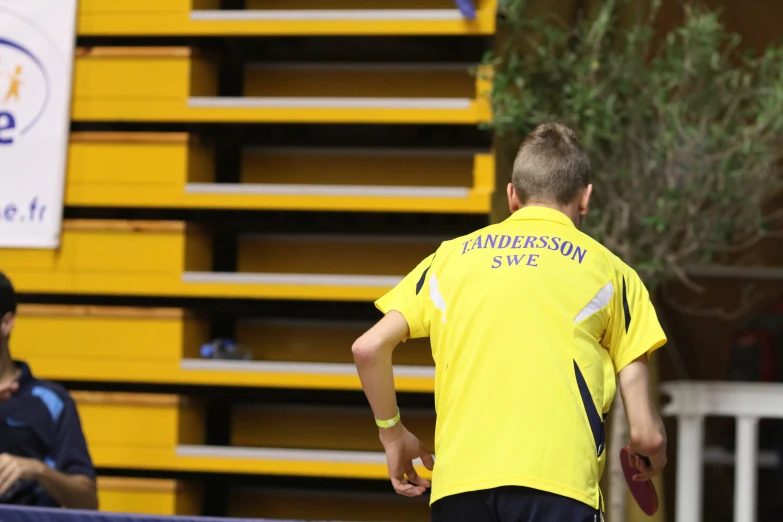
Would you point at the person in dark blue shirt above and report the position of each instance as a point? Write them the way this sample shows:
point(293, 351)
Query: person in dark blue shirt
point(44, 459)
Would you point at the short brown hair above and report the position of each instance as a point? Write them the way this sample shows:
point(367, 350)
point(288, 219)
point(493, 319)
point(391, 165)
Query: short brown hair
point(7, 296)
point(551, 166)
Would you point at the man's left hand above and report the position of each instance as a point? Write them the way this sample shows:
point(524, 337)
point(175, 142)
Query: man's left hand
point(402, 448)
point(13, 468)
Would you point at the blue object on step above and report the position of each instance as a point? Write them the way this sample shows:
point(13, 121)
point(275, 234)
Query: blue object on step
point(467, 8)
point(224, 349)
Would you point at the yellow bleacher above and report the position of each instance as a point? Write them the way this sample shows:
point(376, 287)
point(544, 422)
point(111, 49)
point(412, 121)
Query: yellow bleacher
point(177, 84)
point(312, 442)
point(174, 497)
point(281, 17)
point(174, 259)
point(171, 170)
point(143, 345)
point(120, 161)
point(149, 496)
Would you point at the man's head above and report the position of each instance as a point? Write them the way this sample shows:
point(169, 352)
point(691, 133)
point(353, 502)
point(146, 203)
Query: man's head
point(7, 308)
point(551, 170)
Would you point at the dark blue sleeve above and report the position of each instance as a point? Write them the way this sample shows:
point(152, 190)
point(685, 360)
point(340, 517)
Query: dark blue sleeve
point(70, 449)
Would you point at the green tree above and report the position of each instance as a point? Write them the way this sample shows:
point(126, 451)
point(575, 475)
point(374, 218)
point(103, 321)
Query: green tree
point(683, 131)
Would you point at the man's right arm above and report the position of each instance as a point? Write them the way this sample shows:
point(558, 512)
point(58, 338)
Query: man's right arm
point(633, 335)
point(647, 433)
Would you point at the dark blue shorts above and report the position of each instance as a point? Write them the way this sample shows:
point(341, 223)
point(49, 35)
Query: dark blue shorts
point(512, 504)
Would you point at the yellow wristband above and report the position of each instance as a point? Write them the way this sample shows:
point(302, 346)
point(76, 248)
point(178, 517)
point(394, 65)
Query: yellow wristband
point(388, 423)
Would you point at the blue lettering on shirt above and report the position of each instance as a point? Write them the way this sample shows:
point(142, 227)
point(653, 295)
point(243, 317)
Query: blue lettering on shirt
point(515, 259)
point(502, 242)
point(580, 253)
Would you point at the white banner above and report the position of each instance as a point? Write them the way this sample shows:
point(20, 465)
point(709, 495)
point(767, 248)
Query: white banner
point(37, 40)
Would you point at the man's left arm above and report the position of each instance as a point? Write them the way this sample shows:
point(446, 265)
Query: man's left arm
point(372, 353)
point(407, 315)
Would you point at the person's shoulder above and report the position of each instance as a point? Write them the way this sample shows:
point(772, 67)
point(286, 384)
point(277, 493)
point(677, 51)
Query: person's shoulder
point(53, 387)
point(589, 243)
point(616, 263)
point(53, 395)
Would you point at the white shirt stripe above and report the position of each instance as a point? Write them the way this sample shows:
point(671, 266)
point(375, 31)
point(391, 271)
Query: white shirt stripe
point(437, 298)
point(602, 299)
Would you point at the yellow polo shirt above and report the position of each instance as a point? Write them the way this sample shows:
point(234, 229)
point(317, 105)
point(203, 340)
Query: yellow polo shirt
point(529, 321)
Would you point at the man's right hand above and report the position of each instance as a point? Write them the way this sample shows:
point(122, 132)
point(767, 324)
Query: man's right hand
point(647, 433)
point(402, 448)
point(657, 463)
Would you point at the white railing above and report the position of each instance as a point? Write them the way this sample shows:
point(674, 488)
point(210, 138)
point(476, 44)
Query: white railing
point(691, 402)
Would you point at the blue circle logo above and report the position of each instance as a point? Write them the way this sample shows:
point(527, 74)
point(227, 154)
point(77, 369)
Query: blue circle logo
point(24, 90)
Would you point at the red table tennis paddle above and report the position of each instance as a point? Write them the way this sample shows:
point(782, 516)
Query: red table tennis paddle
point(643, 492)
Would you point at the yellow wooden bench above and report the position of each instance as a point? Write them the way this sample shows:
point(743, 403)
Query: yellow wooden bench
point(166, 432)
point(152, 423)
point(281, 17)
point(149, 496)
point(175, 84)
point(111, 257)
point(117, 169)
point(114, 344)
point(174, 259)
point(326, 505)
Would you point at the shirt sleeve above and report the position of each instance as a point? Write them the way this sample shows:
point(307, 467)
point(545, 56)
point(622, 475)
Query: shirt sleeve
point(410, 298)
point(71, 455)
point(634, 329)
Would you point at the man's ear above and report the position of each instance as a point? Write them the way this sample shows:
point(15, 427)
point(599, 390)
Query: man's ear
point(513, 199)
point(584, 200)
point(7, 324)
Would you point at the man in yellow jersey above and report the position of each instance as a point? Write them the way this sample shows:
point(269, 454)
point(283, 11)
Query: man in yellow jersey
point(532, 324)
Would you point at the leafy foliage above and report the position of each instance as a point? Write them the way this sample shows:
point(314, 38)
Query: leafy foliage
point(683, 131)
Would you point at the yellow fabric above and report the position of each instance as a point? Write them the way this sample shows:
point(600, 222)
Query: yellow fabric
point(507, 309)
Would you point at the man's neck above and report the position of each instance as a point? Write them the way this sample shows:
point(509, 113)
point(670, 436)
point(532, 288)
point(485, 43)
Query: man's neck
point(569, 210)
point(8, 369)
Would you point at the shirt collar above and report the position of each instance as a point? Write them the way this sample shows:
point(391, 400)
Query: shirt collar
point(533, 213)
point(25, 375)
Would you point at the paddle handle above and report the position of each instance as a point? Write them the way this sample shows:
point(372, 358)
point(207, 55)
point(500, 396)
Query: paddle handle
point(646, 460)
